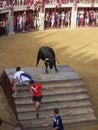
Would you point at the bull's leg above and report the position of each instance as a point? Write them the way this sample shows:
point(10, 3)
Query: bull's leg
point(37, 61)
point(55, 67)
point(46, 65)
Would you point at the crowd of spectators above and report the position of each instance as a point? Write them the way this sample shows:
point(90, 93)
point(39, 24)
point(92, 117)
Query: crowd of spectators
point(26, 21)
point(58, 19)
point(23, 21)
point(29, 20)
point(7, 3)
point(4, 26)
point(87, 18)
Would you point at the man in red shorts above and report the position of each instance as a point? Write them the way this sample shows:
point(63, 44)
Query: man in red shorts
point(36, 90)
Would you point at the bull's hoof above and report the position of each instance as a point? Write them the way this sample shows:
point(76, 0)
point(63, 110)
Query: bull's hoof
point(56, 70)
point(47, 72)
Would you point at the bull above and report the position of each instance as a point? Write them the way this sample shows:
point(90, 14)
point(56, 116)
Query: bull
point(47, 54)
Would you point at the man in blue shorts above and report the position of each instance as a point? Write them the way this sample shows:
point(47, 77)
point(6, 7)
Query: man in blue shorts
point(19, 80)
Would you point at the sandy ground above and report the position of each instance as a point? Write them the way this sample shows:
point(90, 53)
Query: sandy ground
point(77, 48)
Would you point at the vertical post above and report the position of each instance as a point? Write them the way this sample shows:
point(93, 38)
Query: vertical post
point(11, 12)
point(28, 15)
point(74, 15)
point(75, 5)
point(92, 4)
point(42, 16)
point(43, 5)
point(55, 16)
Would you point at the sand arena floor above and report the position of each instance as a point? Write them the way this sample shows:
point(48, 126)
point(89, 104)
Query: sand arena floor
point(77, 48)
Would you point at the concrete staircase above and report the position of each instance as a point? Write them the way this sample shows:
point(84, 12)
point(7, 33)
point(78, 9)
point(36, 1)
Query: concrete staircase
point(69, 94)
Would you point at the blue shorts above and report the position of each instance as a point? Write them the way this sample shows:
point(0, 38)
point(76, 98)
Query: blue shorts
point(20, 83)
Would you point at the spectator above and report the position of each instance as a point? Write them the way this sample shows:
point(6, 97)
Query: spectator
point(4, 4)
point(0, 27)
point(23, 21)
point(20, 22)
point(36, 90)
point(53, 20)
point(57, 121)
point(62, 19)
point(58, 19)
point(37, 21)
point(1, 3)
point(3, 26)
point(15, 23)
point(46, 20)
point(7, 26)
point(19, 80)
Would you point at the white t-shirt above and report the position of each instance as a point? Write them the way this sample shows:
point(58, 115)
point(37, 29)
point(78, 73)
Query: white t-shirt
point(23, 78)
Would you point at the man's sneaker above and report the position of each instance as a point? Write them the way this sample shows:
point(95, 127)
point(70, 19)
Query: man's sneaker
point(37, 116)
point(15, 95)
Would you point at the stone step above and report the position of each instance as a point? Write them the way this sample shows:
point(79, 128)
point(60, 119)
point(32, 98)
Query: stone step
point(53, 98)
point(46, 106)
point(66, 81)
point(63, 112)
point(64, 90)
point(56, 85)
point(60, 76)
point(65, 73)
point(67, 121)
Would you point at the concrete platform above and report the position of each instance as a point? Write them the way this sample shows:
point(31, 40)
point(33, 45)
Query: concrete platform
point(38, 73)
point(69, 95)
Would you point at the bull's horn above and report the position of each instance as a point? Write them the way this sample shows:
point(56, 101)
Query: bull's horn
point(46, 59)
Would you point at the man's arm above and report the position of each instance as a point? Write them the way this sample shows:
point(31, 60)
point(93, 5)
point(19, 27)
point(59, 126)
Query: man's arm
point(47, 88)
point(30, 89)
point(56, 128)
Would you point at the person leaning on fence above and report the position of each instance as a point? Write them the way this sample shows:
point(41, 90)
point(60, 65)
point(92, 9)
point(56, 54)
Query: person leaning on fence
point(19, 79)
point(36, 90)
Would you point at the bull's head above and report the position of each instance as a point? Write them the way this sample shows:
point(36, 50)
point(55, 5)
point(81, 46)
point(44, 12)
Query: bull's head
point(49, 62)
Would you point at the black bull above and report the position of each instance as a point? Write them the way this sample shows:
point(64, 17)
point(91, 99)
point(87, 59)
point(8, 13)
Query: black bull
point(48, 56)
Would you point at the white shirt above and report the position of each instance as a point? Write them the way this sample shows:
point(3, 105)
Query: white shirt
point(17, 76)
